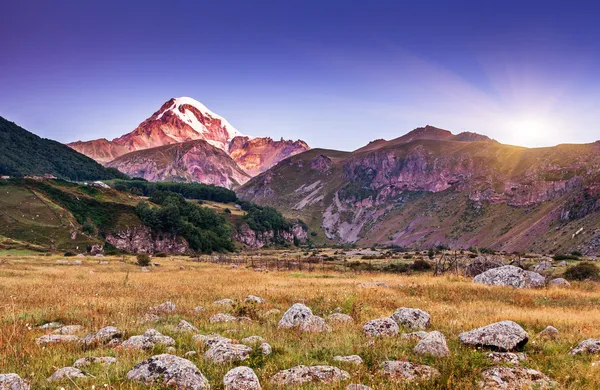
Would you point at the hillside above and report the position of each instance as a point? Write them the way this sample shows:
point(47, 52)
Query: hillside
point(23, 153)
point(432, 188)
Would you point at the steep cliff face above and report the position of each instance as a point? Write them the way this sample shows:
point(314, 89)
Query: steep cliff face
point(256, 155)
point(194, 161)
point(431, 187)
point(139, 239)
point(254, 239)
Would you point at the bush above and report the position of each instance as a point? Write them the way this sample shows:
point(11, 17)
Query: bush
point(143, 259)
point(227, 211)
point(582, 271)
point(560, 257)
point(69, 254)
point(420, 265)
point(160, 254)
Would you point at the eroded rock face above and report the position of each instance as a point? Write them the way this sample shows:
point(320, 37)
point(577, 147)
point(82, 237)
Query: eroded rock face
point(515, 378)
point(66, 373)
point(414, 319)
point(169, 371)
point(399, 370)
point(294, 316)
point(221, 353)
point(300, 375)
point(381, 327)
point(503, 336)
point(256, 155)
point(434, 344)
point(139, 239)
point(241, 378)
point(13, 382)
point(510, 276)
point(256, 239)
point(314, 324)
point(148, 340)
point(586, 346)
point(91, 360)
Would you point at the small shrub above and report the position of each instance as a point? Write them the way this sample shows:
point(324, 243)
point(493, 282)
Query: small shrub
point(160, 254)
point(398, 268)
point(560, 257)
point(420, 265)
point(69, 254)
point(143, 259)
point(582, 271)
point(577, 253)
point(314, 234)
point(227, 211)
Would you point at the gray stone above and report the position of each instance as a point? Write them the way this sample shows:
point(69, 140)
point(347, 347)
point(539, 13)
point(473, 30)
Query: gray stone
point(549, 332)
point(69, 329)
point(66, 373)
point(222, 317)
point(199, 309)
point(591, 346)
point(381, 327)
point(169, 371)
point(92, 360)
point(51, 325)
point(13, 382)
point(433, 344)
point(254, 299)
point(300, 375)
point(224, 302)
point(102, 336)
point(559, 282)
point(265, 349)
point(414, 319)
point(354, 386)
point(373, 284)
point(339, 318)
point(414, 336)
point(515, 378)
point(241, 378)
point(314, 324)
point(352, 359)
point(56, 339)
point(402, 371)
point(252, 340)
point(185, 326)
point(149, 318)
point(223, 352)
point(294, 316)
point(506, 357)
point(504, 336)
point(510, 276)
point(210, 340)
point(164, 308)
point(148, 340)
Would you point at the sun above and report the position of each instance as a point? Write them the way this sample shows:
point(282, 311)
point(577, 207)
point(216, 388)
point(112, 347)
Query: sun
point(529, 132)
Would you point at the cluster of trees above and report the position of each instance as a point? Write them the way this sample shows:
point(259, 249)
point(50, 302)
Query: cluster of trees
point(23, 153)
point(203, 228)
point(197, 191)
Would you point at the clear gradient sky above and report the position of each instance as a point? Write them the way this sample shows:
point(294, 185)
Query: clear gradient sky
point(334, 73)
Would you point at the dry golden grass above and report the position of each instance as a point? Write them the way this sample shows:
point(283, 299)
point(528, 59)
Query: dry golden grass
point(36, 290)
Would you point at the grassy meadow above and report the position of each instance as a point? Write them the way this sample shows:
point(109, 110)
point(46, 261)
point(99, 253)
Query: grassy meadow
point(37, 289)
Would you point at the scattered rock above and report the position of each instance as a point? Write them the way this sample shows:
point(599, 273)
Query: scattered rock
point(92, 360)
point(265, 349)
point(433, 344)
point(169, 371)
point(66, 373)
point(504, 336)
point(252, 340)
point(543, 266)
point(515, 378)
point(227, 353)
point(56, 339)
point(510, 276)
point(149, 318)
point(339, 318)
point(559, 282)
point(507, 357)
point(102, 336)
point(224, 302)
point(314, 324)
point(352, 359)
point(51, 325)
point(171, 350)
point(373, 284)
point(241, 378)
point(481, 264)
point(189, 354)
point(403, 371)
point(414, 319)
point(148, 340)
point(222, 317)
point(381, 327)
point(198, 309)
point(13, 382)
point(69, 329)
point(586, 346)
point(303, 374)
point(549, 332)
point(254, 299)
point(185, 326)
point(563, 264)
point(294, 316)
point(354, 386)
point(77, 262)
point(210, 340)
point(164, 308)
point(414, 336)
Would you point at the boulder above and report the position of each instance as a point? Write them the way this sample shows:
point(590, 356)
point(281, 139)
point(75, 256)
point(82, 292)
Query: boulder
point(164, 308)
point(506, 357)
point(300, 375)
point(13, 382)
point(148, 340)
point(66, 373)
point(515, 378)
point(199, 309)
point(339, 318)
point(481, 264)
point(56, 339)
point(403, 371)
point(549, 332)
point(102, 336)
point(254, 299)
point(223, 352)
point(314, 324)
point(241, 378)
point(69, 329)
point(543, 266)
point(510, 276)
point(352, 359)
point(503, 336)
point(185, 326)
point(210, 340)
point(265, 349)
point(294, 316)
point(169, 371)
point(92, 360)
point(51, 325)
point(559, 282)
point(433, 344)
point(222, 317)
point(414, 336)
point(381, 327)
point(224, 302)
point(586, 346)
point(148, 318)
point(414, 319)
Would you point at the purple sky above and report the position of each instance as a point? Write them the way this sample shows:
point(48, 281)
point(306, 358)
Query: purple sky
point(336, 74)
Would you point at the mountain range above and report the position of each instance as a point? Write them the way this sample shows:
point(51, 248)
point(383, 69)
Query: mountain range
point(224, 156)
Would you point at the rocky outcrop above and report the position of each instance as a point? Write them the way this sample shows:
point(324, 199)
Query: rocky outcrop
point(256, 155)
point(169, 371)
point(256, 239)
point(591, 346)
point(140, 239)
